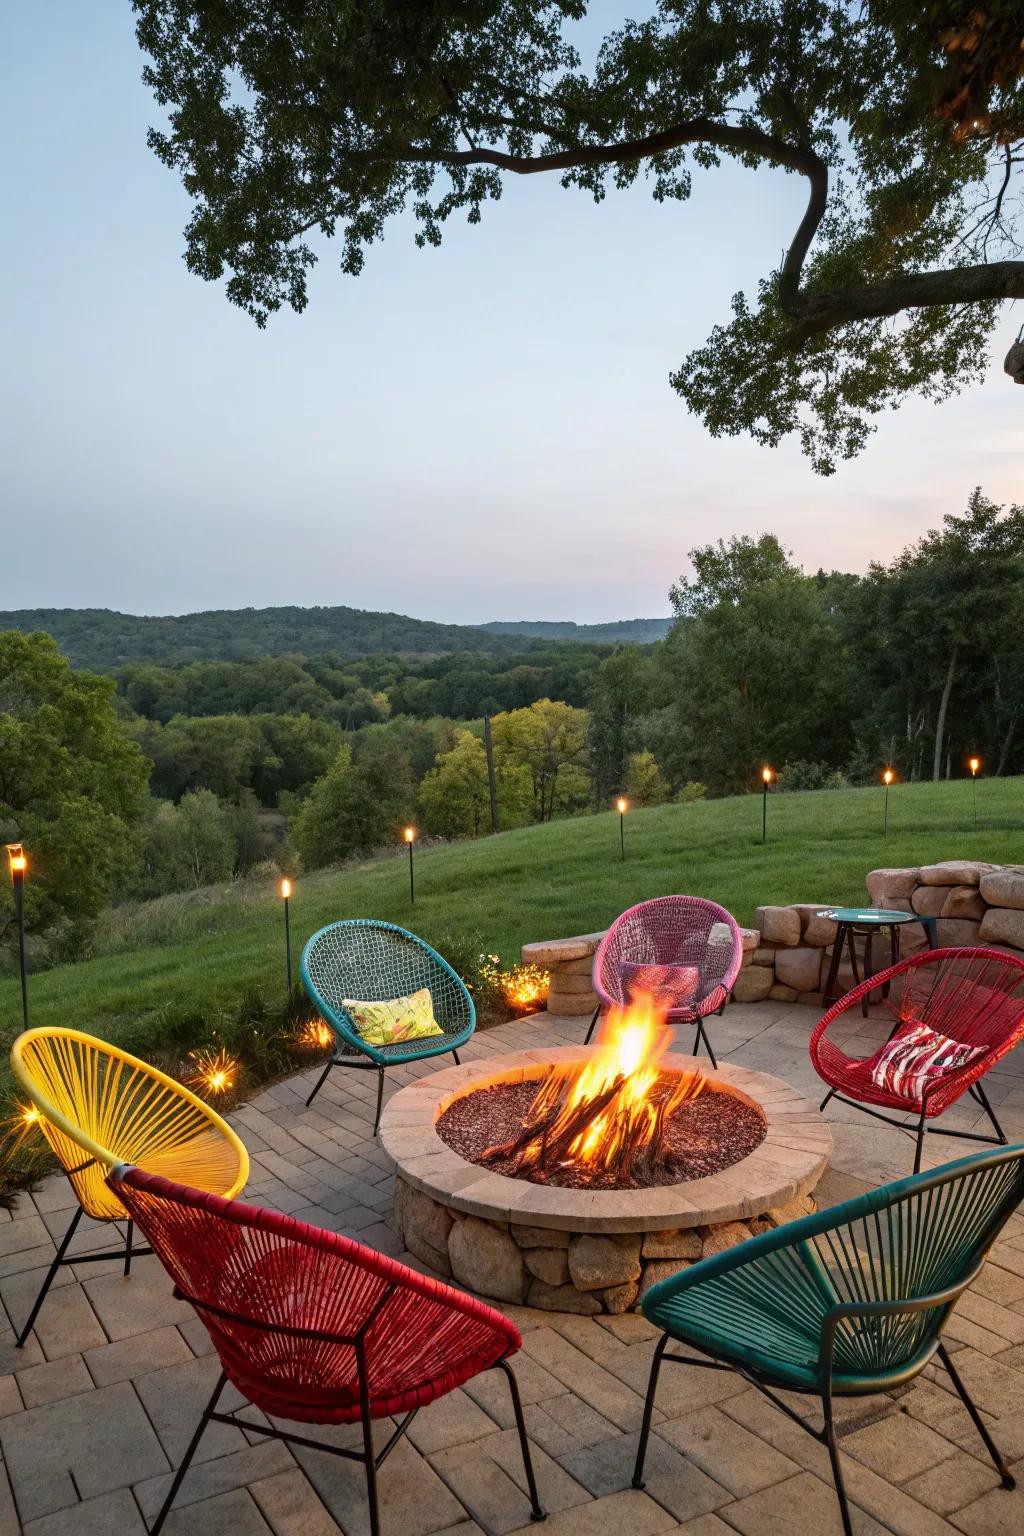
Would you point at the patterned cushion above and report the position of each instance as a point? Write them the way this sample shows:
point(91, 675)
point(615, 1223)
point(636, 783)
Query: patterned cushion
point(906, 1062)
point(669, 986)
point(394, 1020)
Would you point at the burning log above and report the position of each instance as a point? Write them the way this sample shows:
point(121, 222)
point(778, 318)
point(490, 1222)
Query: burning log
point(609, 1113)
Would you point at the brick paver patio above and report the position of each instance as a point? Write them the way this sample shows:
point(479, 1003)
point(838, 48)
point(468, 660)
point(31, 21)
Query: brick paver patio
point(97, 1409)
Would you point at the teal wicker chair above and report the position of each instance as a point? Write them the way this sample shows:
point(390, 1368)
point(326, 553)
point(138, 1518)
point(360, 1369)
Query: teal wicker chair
point(371, 960)
point(849, 1301)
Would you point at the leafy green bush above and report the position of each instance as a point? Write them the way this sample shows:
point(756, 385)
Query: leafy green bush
point(801, 774)
point(690, 792)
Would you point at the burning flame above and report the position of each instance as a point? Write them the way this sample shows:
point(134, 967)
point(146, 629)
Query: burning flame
point(315, 1034)
point(608, 1115)
point(213, 1071)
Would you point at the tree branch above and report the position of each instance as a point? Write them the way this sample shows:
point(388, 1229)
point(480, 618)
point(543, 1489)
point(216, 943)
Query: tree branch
point(986, 282)
point(698, 130)
point(812, 313)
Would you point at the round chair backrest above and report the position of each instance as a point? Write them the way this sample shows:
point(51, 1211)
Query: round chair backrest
point(920, 1237)
point(672, 930)
point(972, 995)
point(280, 1298)
point(370, 960)
point(98, 1106)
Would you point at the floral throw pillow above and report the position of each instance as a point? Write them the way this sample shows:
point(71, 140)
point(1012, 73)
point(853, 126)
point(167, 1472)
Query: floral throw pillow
point(669, 986)
point(914, 1055)
point(396, 1020)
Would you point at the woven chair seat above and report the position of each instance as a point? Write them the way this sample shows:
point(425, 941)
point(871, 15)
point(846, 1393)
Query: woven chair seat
point(345, 1052)
point(376, 961)
point(673, 930)
point(971, 995)
point(762, 1304)
point(99, 1106)
point(282, 1300)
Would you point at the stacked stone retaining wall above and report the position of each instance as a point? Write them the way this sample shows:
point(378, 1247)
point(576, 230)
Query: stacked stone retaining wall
point(787, 956)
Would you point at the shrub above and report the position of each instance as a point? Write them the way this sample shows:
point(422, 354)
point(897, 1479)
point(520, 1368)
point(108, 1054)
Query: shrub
point(801, 774)
point(690, 792)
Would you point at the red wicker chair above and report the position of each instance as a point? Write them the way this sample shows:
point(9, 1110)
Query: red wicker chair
point(313, 1327)
point(972, 997)
point(672, 930)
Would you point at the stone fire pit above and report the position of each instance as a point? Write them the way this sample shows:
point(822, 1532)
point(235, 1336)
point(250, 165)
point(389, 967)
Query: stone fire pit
point(585, 1250)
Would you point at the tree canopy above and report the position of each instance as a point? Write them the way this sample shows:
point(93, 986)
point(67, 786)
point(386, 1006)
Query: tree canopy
point(72, 785)
point(905, 119)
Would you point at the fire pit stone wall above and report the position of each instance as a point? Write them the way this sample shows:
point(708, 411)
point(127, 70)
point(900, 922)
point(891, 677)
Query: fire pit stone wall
point(578, 1250)
point(561, 1271)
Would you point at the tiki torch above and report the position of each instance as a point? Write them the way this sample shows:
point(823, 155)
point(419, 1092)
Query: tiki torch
point(410, 838)
point(18, 864)
point(766, 778)
point(286, 896)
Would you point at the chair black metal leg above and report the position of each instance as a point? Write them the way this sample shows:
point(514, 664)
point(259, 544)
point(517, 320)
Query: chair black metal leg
point(193, 1446)
point(837, 1471)
point(369, 1458)
point(50, 1274)
point(825, 1100)
point(982, 1097)
point(645, 1427)
point(380, 1099)
point(1009, 1481)
point(593, 1022)
point(920, 1143)
point(702, 1034)
point(458, 1063)
point(537, 1510)
point(128, 1248)
point(319, 1083)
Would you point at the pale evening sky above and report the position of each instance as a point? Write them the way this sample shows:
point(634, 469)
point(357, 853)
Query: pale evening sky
point(481, 431)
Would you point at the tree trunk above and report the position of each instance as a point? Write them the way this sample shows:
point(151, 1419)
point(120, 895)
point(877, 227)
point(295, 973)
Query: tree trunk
point(940, 724)
point(1004, 750)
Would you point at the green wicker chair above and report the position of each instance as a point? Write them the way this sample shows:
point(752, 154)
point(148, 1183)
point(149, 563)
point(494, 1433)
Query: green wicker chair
point(849, 1301)
point(371, 960)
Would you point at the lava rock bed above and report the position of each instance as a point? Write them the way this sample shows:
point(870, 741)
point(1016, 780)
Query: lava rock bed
point(703, 1136)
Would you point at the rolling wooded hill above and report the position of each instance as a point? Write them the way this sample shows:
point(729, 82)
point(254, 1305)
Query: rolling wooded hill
point(103, 640)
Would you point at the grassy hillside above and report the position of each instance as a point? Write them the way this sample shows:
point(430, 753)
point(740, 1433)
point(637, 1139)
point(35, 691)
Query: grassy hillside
point(539, 882)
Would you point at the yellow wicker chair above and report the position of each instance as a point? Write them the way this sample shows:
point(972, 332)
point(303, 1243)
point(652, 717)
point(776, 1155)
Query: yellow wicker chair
point(98, 1107)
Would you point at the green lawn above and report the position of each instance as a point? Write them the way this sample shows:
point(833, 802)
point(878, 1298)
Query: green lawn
point(536, 883)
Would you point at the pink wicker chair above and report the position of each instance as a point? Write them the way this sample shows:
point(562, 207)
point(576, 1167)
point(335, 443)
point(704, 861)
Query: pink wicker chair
point(969, 998)
point(675, 931)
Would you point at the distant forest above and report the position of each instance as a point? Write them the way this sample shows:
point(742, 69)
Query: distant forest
point(622, 632)
point(103, 640)
point(311, 755)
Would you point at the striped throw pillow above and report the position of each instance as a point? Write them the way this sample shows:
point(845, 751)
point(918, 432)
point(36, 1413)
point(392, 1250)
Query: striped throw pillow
point(916, 1054)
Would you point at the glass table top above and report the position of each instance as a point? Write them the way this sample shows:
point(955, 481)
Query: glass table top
point(876, 916)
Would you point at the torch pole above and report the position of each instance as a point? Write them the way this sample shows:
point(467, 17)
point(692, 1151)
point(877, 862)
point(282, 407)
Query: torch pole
point(18, 879)
point(287, 948)
point(885, 814)
point(764, 810)
point(974, 798)
point(622, 834)
point(412, 878)
point(492, 787)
